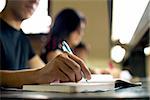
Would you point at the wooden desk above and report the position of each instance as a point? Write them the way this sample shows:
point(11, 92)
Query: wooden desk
point(139, 92)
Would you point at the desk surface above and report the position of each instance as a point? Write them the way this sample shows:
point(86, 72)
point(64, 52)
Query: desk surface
point(139, 92)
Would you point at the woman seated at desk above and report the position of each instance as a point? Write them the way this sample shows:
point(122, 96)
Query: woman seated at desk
point(69, 26)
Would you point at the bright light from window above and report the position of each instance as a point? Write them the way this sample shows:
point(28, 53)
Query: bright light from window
point(2, 4)
point(147, 51)
point(126, 16)
point(117, 53)
point(39, 22)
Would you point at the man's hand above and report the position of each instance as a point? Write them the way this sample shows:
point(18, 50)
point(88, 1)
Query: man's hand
point(65, 67)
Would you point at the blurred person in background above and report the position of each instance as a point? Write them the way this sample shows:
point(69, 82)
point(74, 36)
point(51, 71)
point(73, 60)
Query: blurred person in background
point(82, 51)
point(68, 26)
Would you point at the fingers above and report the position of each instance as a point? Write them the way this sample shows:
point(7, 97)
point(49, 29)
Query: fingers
point(63, 77)
point(84, 69)
point(64, 68)
point(67, 71)
point(75, 67)
point(59, 76)
point(71, 68)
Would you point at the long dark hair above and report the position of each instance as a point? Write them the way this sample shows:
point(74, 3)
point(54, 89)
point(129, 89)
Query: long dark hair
point(67, 21)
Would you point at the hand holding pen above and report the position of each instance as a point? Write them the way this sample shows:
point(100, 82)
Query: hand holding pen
point(67, 49)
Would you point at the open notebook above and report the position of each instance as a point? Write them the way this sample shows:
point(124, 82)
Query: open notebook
point(97, 83)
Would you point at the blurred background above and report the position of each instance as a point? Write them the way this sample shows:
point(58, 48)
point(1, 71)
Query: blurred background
point(117, 32)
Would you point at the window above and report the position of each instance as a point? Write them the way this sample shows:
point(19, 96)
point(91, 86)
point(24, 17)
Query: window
point(2, 4)
point(39, 22)
point(126, 16)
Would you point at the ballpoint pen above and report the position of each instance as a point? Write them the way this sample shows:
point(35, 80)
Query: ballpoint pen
point(66, 48)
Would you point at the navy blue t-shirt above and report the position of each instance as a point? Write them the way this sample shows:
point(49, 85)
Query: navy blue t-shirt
point(15, 48)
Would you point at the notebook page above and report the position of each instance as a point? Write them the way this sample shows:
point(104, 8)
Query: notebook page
point(99, 78)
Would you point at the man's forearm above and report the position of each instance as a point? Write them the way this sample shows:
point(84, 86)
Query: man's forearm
point(18, 78)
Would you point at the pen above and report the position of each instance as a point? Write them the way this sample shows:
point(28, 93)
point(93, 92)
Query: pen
point(66, 48)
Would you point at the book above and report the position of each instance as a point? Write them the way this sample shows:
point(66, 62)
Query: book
point(97, 83)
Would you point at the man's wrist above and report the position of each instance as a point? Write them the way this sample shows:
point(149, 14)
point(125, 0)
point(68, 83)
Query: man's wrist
point(37, 76)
